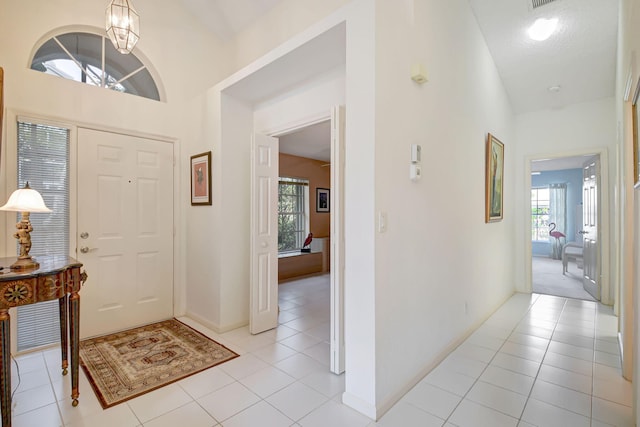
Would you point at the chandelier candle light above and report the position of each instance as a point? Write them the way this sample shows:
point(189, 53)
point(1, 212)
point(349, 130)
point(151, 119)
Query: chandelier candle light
point(25, 200)
point(123, 25)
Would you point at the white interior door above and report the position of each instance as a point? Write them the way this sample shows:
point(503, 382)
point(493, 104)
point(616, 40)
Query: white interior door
point(337, 239)
point(264, 234)
point(125, 230)
point(591, 279)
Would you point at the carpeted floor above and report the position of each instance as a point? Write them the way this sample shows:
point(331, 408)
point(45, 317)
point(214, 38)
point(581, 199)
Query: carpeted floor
point(127, 364)
point(548, 279)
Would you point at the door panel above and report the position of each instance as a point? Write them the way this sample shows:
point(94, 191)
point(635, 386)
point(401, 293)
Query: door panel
point(125, 205)
point(591, 278)
point(337, 239)
point(264, 235)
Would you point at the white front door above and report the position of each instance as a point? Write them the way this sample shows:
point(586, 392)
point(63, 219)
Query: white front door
point(591, 257)
point(263, 313)
point(125, 230)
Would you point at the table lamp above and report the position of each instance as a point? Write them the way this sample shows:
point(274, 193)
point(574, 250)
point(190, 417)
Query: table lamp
point(25, 200)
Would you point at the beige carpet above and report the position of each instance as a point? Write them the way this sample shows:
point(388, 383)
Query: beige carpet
point(127, 364)
point(547, 278)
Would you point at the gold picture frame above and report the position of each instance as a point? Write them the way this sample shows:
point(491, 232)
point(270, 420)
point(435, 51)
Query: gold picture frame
point(636, 136)
point(494, 180)
point(201, 179)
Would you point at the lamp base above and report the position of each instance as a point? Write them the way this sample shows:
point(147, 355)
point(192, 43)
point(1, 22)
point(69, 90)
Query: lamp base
point(25, 263)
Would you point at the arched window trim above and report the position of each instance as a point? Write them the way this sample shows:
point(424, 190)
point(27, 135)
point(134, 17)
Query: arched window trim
point(99, 32)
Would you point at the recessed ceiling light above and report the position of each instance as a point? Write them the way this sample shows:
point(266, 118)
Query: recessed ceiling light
point(554, 89)
point(543, 28)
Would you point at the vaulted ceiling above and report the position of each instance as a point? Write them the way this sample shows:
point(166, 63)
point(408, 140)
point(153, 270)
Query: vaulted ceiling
point(576, 64)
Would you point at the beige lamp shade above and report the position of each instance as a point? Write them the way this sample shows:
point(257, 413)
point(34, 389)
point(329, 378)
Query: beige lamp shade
point(25, 200)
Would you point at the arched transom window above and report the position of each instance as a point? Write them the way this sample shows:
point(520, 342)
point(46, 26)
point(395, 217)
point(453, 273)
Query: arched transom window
point(92, 59)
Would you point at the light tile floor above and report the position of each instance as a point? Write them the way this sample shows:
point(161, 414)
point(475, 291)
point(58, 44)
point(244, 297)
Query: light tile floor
point(538, 361)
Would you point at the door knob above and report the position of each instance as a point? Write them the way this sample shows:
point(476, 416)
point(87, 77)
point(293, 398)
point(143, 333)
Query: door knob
point(84, 249)
point(84, 235)
point(583, 232)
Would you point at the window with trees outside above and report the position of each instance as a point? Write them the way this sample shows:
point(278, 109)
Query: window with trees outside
point(92, 59)
point(293, 213)
point(540, 214)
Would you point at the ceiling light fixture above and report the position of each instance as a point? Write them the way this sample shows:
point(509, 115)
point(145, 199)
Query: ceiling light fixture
point(543, 28)
point(123, 25)
point(554, 89)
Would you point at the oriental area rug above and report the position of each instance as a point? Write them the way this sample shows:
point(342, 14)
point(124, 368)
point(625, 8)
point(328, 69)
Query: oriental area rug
point(130, 363)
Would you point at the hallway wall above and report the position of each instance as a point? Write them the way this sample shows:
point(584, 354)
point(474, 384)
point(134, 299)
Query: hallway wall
point(628, 73)
point(440, 269)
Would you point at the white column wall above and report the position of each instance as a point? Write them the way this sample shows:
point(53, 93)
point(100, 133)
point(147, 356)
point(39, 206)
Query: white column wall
point(440, 270)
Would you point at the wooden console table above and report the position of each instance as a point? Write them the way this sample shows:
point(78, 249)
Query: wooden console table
point(58, 277)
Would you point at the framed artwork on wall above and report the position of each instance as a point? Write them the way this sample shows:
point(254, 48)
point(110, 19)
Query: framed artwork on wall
point(322, 200)
point(494, 185)
point(201, 179)
point(636, 136)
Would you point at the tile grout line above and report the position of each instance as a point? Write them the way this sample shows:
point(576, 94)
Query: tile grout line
point(488, 364)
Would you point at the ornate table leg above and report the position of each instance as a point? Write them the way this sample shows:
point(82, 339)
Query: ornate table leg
point(64, 341)
point(5, 378)
point(74, 315)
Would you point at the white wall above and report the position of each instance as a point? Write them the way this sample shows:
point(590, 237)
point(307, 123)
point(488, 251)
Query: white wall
point(170, 50)
point(629, 67)
point(305, 104)
point(277, 26)
point(227, 135)
point(437, 255)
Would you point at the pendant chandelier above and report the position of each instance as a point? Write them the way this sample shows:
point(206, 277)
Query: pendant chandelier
point(123, 25)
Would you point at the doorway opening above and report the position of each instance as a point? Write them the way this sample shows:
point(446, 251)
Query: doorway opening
point(564, 211)
point(309, 277)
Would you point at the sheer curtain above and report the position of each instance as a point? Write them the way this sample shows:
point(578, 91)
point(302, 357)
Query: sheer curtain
point(557, 215)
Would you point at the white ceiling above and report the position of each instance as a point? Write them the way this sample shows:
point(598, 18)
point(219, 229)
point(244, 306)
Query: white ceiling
point(580, 57)
point(226, 18)
point(313, 142)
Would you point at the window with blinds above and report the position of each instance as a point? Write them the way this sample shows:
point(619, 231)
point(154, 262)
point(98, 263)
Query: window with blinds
point(293, 208)
point(43, 161)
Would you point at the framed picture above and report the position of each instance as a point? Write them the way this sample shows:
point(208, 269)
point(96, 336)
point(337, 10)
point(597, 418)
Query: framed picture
point(494, 186)
point(322, 200)
point(201, 179)
point(636, 136)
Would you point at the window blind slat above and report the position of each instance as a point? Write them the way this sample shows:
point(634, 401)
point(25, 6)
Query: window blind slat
point(43, 161)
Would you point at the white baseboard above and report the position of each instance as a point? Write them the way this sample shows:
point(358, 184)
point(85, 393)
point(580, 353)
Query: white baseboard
point(359, 405)
point(388, 403)
point(214, 327)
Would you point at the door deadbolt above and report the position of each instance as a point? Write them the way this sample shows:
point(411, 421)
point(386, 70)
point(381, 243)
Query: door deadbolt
point(84, 235)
